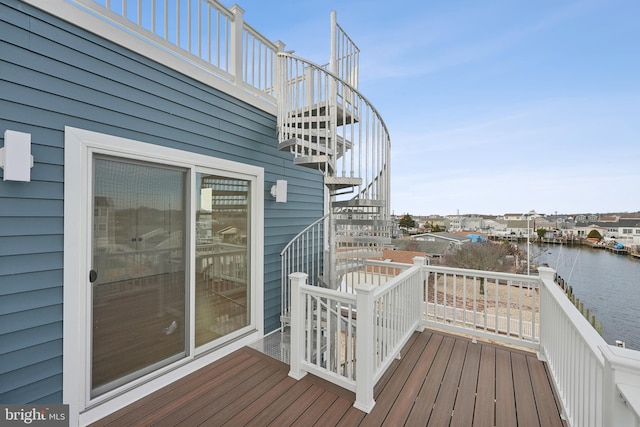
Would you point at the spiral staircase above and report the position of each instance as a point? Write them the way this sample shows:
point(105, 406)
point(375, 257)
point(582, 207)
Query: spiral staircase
point(329, 126)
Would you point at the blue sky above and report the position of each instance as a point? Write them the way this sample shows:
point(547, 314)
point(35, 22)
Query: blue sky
point(493, 106)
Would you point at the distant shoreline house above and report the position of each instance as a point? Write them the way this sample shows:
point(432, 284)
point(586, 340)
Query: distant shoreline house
point(622, 230)
point(610, 227)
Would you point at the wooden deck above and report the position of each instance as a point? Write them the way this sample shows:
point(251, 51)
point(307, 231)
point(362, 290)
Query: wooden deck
point(441, 380)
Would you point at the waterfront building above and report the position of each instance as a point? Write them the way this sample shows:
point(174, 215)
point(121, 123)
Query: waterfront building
point(611, 228)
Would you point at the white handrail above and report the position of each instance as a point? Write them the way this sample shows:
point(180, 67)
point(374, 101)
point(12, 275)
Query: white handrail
point(373, 272)
point(349, 339)
point(344, 54)
point(621, 405)
point(358, 140)
point(597, 384)
point(483, 304)
point(204, 33)
point(304, 253)
point(323, 330)
point(570, 346)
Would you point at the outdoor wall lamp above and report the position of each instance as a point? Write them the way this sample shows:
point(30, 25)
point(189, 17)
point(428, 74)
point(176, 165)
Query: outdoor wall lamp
point(279, 191)
point(15, 157)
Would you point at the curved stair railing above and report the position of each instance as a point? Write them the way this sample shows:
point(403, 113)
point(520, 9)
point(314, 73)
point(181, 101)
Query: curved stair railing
point(329, 126)
point(305, 253)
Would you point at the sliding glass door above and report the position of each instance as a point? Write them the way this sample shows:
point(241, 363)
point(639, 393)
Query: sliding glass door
point(139, 277)
point(222, 257)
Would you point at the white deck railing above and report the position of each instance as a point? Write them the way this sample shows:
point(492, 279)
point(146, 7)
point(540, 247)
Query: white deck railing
point(483, 304)
point(200, 32)
point(597, 384)
point(374, 272)
point(351, 339)
point(305, 252)
point(570, 346)
point(345, 55)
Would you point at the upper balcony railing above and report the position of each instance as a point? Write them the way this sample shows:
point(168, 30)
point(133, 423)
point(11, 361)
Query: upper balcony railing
point(345, 55)
point(202, 33)
point(597, 384)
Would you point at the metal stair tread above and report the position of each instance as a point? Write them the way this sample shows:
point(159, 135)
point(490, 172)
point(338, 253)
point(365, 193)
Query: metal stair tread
point(305, 146)
point(369, 253)
point(311, 160)
point(319, 110)
point(360, 239)
point(361, 222)
point(342, 180)
point(359, 202)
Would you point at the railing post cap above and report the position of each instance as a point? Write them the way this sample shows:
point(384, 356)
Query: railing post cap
point(298, 275)
point(237, 10)
point(419, 260)
point(546, 272)
point(364, 287)
point(619, 357)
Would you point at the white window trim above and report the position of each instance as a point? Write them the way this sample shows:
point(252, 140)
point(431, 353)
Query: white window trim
point(79, 147)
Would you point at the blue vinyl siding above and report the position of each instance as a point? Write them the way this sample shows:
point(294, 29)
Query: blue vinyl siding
point(54, 75)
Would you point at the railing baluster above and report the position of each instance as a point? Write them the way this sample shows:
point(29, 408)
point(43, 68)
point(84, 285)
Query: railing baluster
point(520, 312)
point(508, 312)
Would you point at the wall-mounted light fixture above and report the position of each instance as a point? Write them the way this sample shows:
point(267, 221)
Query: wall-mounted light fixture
point(15, 157)
point(279, 191)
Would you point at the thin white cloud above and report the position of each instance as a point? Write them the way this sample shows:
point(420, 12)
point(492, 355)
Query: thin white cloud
point(414, 50)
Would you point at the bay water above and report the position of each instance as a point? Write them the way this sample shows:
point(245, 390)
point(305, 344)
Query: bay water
point(608, 284)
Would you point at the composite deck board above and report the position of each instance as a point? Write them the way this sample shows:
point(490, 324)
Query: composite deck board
point(467, 389)
point(446, 399)
point(505, 401)
point(301, 404)
point(389, 395)
point(215, 396)
point(389, 374)
point(198, 411)
point(440, 380)
point(546, 404)
point(523, 391)
point(352, 417)
point(407, 398)
point(429, 391)
point(189, 387)
point(335, 413)
point(280, 404)
point(317, 409)
point(243, 418)
point(485, 404)
point(240, 404)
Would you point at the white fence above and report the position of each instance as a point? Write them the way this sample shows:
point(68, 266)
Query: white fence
point(351, 339)
point(597, 384)
point(203, 33)
point(483, 304)
point(374, 273)
point(489, 323)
